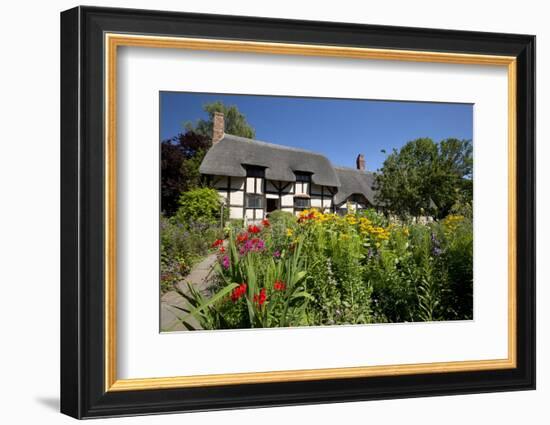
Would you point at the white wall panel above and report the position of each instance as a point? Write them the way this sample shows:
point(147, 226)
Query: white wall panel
point(235, 213)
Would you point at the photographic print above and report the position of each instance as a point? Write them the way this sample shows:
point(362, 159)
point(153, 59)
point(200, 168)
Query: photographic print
point(289, 211)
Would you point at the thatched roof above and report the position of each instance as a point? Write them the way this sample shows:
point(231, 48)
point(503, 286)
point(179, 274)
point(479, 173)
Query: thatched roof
point(353, 182)
point(231, 154)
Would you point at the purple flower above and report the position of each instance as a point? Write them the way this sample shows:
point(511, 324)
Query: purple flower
point(225, 262)
point(252, 245)
point(436, 247)
point(277, 254)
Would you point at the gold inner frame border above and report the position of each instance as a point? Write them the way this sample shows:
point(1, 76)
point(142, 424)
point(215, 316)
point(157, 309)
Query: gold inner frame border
point(112, 41)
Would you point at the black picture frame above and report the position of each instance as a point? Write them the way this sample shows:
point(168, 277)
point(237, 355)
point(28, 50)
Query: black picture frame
point(83, 392)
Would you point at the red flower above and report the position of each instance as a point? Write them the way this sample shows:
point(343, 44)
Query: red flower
point(261, 297)
point(279, 285)
point(265, 222)
point(243, 237)
point(222, 249)
point(238, 292)
point(217, 243)
point(253, 229)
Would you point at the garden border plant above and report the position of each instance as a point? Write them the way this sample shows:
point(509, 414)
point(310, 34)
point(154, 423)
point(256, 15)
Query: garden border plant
point(325, 269)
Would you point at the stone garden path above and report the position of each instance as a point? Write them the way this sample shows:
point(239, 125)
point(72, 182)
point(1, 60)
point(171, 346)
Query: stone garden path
point(199, 278)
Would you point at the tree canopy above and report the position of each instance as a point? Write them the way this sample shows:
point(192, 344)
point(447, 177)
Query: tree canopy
point(425, 177)
point(182, 154)
point(235, 121)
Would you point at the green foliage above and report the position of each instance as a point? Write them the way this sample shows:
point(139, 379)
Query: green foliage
point(201, 205)
point(233, 225)
point(260, 302)
point(180, 160)
point(425, 177)
point(458, 261)
point(182, 245)
point(235, 121)
point(324, 269)
point(182, 154)
point(282, 218)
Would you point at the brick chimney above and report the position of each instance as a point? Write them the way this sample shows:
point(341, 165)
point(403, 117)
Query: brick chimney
point(219, 127)
point(360, 162)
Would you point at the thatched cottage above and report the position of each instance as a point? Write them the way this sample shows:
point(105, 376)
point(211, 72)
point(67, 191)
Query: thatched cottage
point(255, 178)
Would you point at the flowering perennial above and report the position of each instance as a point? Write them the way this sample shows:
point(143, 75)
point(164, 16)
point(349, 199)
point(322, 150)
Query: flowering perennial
point(279, 285)
point(217, 243)
point(252, 245)
point(261, 297)
point(242, 237)
point(254, 229)
point(451, 222)
point(238, 292)
point(323, 268)
point(226, 263)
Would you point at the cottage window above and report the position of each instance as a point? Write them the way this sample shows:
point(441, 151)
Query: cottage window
point(301, 203)
point(303, 177)
point(301, 187)
point(252, 171)
point(254, 200)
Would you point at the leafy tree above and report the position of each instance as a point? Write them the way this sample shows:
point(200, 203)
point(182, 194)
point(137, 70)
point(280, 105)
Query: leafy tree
point(182, 155)
point(235, 121)
point(180, 160)
point(425, 177)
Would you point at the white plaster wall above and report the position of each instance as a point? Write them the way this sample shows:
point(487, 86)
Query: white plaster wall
point(316, 202)
point(237, 197)
point(287, 201)
point(235, 213)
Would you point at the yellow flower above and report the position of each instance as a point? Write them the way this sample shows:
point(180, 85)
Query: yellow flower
point(451, 222)
point(350, 218)
point(289, 232)
point(376, 232)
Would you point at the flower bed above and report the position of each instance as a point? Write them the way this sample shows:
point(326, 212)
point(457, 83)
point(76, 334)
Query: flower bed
point(325, 269)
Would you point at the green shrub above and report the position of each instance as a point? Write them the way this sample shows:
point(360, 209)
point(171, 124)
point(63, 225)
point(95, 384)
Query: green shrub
point(457, 299)
point(201, 205)
point(285, 218)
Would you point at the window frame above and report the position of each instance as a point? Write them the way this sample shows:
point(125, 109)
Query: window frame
point(256, 196)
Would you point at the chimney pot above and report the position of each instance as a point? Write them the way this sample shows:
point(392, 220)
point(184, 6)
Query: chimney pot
point(360, 161)
point(218, 130)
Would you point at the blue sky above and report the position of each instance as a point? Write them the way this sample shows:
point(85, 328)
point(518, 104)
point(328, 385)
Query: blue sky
point(338, 128)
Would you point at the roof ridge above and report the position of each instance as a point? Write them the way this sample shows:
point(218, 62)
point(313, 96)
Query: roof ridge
point(344, 168)
point(272, 145)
